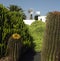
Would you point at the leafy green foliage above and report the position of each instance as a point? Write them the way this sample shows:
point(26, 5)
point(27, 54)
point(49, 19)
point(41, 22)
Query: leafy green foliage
point(37, 30)
point(3, 12)
point(12, 22)
point(17, 9)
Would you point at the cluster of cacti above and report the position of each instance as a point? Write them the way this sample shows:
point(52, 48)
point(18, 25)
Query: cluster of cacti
point(14, 47)
point(51, 42)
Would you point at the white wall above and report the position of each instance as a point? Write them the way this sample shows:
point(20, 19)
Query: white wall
point(43, 18)
point(28, 22)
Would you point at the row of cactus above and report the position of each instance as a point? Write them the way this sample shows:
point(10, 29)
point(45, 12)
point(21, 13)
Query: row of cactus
point(51, 41)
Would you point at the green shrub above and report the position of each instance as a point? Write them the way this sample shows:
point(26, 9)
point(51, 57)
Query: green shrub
point(37, 31)
point(12, 22)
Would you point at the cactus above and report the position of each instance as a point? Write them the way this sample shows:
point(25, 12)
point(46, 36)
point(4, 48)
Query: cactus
point(51, 42)
point(14, 47)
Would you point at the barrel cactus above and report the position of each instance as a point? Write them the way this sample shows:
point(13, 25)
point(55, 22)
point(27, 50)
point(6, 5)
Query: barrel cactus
point(51, 42)
point(14, 47)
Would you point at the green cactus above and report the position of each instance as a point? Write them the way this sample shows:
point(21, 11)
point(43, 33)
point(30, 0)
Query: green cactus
point(14, 47)
point(51, 42)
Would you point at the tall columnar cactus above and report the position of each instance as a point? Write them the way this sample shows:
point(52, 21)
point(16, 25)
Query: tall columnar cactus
point(51, 42)
point(14, 47)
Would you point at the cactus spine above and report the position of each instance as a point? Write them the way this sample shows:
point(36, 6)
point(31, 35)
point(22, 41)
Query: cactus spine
point(14, 47)
point(51, 43)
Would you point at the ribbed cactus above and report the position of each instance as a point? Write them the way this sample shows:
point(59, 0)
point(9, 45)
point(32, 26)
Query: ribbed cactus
point(14, 47)
point(51, 42)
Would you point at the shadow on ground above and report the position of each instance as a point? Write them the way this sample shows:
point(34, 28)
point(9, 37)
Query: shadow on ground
point(31, 56)
point(28, 56)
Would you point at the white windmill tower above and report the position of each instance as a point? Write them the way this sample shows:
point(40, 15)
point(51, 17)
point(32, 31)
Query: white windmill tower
point(30, 11)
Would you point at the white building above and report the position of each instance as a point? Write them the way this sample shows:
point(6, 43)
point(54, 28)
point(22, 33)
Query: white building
point(43, 18)
point(29, 22)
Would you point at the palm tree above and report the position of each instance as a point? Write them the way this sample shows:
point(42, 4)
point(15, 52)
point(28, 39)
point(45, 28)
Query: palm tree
point(15, 8)
point(18, 9)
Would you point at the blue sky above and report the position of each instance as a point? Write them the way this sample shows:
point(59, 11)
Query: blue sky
point(44, 6)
